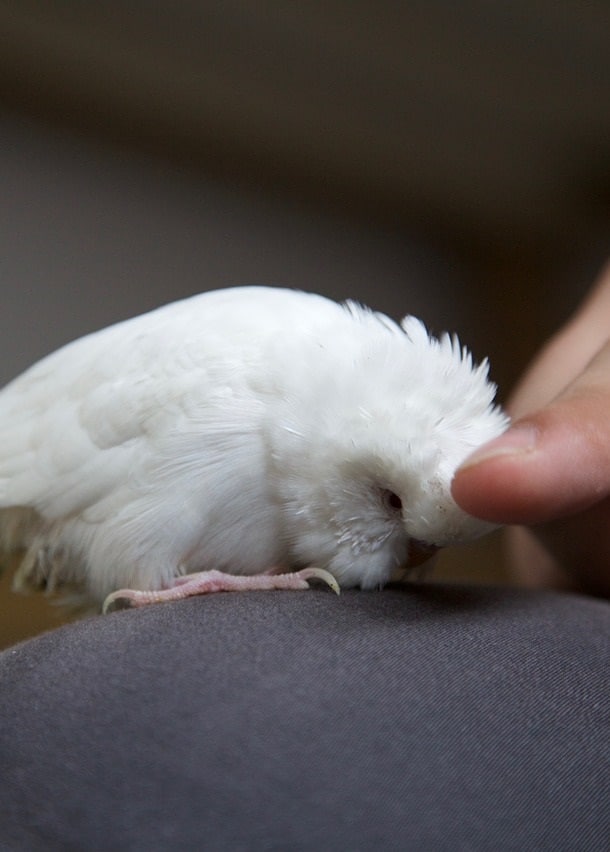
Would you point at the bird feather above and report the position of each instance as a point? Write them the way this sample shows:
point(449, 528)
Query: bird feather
point(237, 430)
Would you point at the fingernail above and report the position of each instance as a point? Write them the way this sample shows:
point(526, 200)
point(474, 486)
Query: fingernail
point(518, 440)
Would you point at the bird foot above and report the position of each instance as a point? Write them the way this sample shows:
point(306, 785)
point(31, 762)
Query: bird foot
point(206, 582)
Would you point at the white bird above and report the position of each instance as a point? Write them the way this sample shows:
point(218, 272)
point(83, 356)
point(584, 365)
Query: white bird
point(233, 440)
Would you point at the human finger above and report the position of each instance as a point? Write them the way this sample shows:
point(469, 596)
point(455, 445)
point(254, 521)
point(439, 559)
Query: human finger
point(549, 464)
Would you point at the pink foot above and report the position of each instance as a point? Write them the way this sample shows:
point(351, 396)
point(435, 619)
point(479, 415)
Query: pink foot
point(205, 582)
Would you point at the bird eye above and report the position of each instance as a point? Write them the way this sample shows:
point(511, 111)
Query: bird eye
point(393, 500)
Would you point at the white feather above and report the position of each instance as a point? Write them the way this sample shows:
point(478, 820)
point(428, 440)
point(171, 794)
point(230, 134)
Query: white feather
point(240, 429)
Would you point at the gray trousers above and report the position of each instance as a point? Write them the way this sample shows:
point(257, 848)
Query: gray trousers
point(428, 717)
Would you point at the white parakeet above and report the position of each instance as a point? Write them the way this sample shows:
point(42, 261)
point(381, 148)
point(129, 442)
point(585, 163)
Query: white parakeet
point(235, 439)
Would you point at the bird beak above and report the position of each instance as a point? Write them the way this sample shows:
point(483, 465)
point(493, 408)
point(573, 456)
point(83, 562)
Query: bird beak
point(420, 552)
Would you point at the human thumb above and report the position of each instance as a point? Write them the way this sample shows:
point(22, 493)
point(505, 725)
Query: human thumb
point(551, 463)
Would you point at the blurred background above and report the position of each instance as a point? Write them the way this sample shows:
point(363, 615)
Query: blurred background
point(443, 159)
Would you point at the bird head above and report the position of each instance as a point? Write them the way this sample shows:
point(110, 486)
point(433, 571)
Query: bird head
point(367, 436)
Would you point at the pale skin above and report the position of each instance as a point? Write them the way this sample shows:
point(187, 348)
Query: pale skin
point(549, 474)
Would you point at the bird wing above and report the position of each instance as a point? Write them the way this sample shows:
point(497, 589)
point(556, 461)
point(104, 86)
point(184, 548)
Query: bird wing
point(78, 424)
point(73, 425)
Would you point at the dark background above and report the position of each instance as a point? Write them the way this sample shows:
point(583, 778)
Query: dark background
point(449, 160)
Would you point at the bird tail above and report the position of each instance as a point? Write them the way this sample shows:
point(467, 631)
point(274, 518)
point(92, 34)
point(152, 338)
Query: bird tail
point(16, 533)
point(31, 548)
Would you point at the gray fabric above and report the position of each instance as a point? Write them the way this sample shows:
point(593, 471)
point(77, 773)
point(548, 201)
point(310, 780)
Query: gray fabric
point(431, 717)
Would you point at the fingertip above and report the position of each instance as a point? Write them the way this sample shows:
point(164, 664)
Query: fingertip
point(489, 490)
point(520, 439)
point(486, 484)
point(541, 469)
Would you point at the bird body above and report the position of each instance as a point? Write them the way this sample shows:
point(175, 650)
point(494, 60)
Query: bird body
point(239, 430)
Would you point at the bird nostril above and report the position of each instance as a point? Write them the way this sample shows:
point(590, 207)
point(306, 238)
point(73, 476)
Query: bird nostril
point(420, 551)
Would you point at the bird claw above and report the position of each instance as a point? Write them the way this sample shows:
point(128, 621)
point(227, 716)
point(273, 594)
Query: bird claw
point(121, 599)
point(313, 573)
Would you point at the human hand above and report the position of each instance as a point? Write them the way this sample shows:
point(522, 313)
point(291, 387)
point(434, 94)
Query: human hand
point(550, 472)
